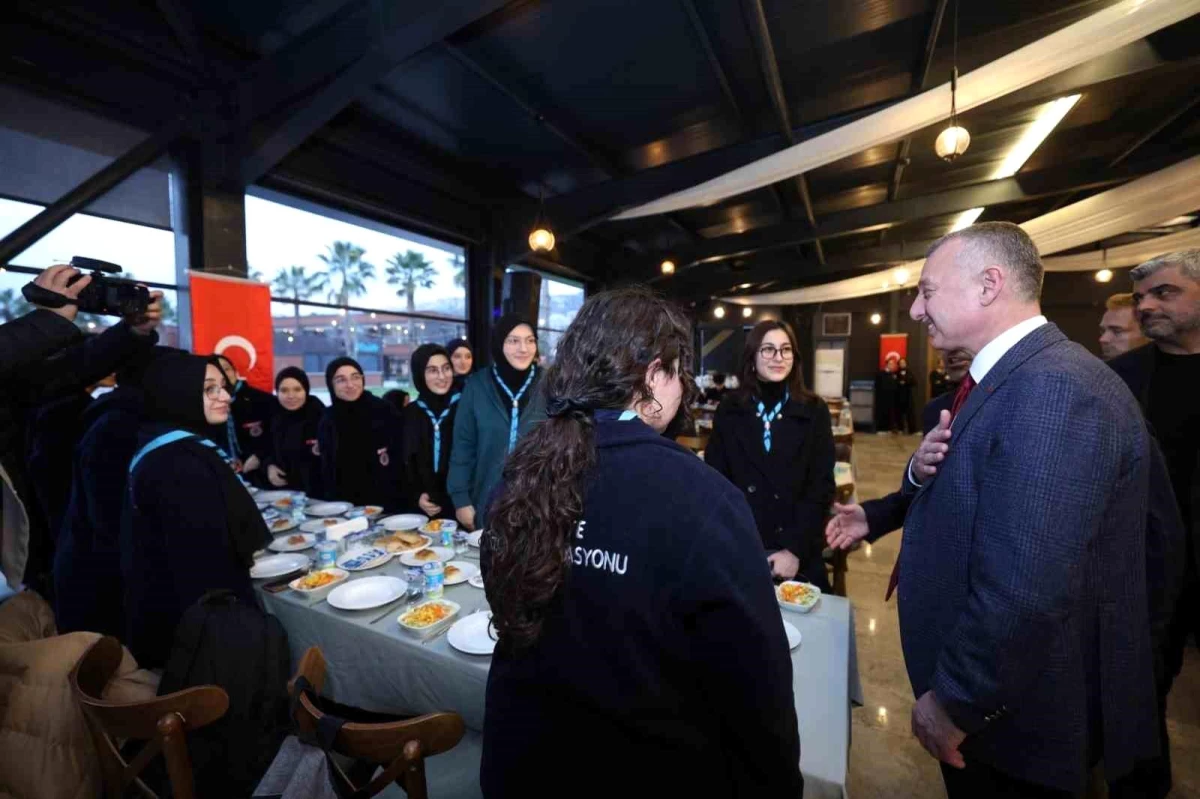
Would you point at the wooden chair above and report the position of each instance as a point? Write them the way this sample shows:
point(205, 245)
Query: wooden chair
point(694, 443)
point(400, 747)
point(163, 722)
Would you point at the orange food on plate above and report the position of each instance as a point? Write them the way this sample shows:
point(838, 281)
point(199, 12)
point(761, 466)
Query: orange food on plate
point(402, 542)
point(330, 522)
point(425, 615)
point(796, 593)
point(434, 526)
point(282, 503)
point(279, 524)
point(317, 580)
point(296, 539)
point(426, 555)
point(452, 571)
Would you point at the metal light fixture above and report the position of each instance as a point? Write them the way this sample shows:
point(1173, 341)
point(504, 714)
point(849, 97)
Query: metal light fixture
point(954, 140)
point(1104, 275)
point(747, 311)
point(541, 238)
point(719, 312)
point(876, 318)
point(668, 267)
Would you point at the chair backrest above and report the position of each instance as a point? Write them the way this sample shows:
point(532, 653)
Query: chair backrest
point(399, 746)
point(162, 722)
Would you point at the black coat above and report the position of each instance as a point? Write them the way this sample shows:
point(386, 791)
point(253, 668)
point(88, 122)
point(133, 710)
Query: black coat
point(252, 411)
point(294, 447)
point(184, 511)
point(54, 430)
point(419, 476)
point(89, 592)
point(386, 486)
point(789, 489)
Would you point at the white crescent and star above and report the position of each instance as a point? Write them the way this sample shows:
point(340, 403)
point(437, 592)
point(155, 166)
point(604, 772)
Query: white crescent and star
point(237, 341)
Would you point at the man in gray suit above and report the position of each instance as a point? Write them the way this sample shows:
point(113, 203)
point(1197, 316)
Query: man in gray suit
point(1022, 577)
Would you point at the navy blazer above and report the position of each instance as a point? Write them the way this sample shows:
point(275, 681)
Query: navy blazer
point(1023, 599)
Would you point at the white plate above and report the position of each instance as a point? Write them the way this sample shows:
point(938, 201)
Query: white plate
point(328, 508)
point(261, 503)
point(367, 593)
point(340, 577)
point(281, 525)
point(476, 581)
point(474, 634)
point(443, 554)
point(281, 544)
point(355, 559)
point(792, 606)
point(465, 572)
point(437, 626)
point(271, 496)
point(404, 521)
point(474, 538)
point(370, 511)
point(318, 525)
point(277, 565)
point(792, 633)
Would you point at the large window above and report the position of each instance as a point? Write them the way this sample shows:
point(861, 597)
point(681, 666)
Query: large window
point(558, 303)
point(352, 287)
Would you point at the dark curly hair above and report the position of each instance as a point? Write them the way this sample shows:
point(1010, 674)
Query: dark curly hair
point(601, 363)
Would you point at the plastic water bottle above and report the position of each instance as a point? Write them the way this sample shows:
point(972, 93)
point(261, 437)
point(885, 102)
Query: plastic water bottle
point(435, 580)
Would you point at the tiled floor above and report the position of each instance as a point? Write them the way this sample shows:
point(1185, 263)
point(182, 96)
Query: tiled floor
point(885, 760)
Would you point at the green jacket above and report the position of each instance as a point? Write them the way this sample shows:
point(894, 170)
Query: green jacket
point(481, 429)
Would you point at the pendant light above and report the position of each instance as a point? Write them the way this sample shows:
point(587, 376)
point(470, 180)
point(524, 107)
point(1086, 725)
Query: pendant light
point(954, 140)
point(541, 238)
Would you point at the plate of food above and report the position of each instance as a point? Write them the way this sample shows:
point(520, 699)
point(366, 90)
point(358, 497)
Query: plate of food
point(369, 511)
point(473, 634)
point(293, 543)
point(363, 558)
point(278, 565)
point(476, 581)
point(797, 596)
point(318, 525)
point(281, 524)
point(429, 617)
point(270, 497)
point(403, 521)
point(315, 585)
point(367, 593)
point(328, 508)
point(402, 541)
point(427, 555)
point(459, 571)
point(793, 635)
point(434, 527)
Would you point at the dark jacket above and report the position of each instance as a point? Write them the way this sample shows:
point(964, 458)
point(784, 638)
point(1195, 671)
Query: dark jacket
point(667, 640)
point(294, 447)
point(1022, 592)
point(252, 413)
point(386, 487)
point(419, 476)
point(54, 430)
point(791, 488)
point(481, 428)
point(88, 588)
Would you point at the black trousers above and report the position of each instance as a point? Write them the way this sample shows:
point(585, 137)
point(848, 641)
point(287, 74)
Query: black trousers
point(981, 781)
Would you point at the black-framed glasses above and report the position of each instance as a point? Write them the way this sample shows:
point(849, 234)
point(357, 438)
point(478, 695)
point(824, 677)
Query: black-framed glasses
point(769, 351)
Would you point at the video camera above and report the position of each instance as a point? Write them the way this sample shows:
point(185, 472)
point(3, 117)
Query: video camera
point(104, 295)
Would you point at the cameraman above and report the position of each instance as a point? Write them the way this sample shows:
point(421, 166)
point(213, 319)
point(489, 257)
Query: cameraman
point(43, 356)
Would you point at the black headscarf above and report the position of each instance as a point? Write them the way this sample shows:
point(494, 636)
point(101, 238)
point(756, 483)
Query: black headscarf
point(420, 359)
point(511, 377)
point(297, 374)
point(356, 451)
point(173, 385)
point(451, 348)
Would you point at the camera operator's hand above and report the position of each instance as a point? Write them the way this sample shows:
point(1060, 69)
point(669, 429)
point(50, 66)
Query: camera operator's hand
point(55, 279)
point(145, 323)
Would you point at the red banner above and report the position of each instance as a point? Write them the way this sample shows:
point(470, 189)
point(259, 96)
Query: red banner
point(232, 317)
point(892, 345)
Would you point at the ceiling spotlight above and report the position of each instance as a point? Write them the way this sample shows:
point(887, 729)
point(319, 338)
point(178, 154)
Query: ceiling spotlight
point(719, 312)
point(901, 274)
point(747, 311)
point(1104, 275)
point(668, 267)
point(290, 339)
point(745, 285)
point(876, 318)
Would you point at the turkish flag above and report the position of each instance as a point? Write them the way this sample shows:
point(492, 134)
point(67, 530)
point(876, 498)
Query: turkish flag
point(232, 317)
point(892, 345)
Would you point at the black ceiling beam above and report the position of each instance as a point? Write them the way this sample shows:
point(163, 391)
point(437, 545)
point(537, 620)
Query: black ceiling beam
point(179, 19)
point(760, 32)
point(393, 38)
point(920, 75)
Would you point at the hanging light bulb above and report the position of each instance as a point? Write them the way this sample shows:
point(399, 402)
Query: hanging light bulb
point(668, 267)
point(954, 140)
point(901, 274)
point(719, 312)
point(876, 318)
point(1104, 275)
point(541, 238)
point(747, 311)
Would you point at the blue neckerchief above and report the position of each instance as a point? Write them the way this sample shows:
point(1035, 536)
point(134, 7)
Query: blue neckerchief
point(607, 415)
point(770, 417)
point(178, 435)
point(437, 427)
point(230, 425)
point(516, 399)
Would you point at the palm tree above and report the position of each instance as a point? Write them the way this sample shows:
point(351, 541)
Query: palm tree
point(296, 283)
point(13, 305)
point(411, 271)
point(351, 272)
point(460, 270)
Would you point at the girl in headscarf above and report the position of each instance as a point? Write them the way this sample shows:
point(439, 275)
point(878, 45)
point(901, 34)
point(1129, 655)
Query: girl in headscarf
point(463, 360)
point(248, 429)
point(429, 430)
point(498, 406)
point(359, 439)
point(295, 459)
point(189, 524)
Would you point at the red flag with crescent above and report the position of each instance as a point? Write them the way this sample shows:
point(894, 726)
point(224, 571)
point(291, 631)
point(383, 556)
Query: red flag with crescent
point(232, 317)
point(892, 345)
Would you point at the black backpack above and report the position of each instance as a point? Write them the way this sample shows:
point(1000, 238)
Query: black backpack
point(222, 640)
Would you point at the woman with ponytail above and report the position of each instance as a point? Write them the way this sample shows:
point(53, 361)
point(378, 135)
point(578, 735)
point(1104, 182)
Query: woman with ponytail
point(638, 634)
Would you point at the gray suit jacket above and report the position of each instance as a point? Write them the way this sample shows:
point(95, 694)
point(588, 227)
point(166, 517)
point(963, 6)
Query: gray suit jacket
point(1022, 574)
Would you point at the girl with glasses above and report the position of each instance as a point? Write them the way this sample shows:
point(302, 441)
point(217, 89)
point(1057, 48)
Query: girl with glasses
point(247, 435)
point(499, 405)
point(359, 441)
point(294, 461)
point(773, 439)
point(429, 431)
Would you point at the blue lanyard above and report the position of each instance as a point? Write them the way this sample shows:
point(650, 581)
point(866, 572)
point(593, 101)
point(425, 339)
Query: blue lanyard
point(171, 438)
point(613, 416)
point(231, 426)
point(437, 427)
point(770, 417)
point(516, 399)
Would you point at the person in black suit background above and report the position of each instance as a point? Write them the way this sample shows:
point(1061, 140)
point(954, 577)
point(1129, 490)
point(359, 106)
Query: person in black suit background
point(906, 381)
point(885, 397)
point(939, 383)
point(773, 439)
point(716, 392)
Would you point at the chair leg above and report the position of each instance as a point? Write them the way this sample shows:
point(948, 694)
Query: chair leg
point(179, 765)
point(414, 772)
